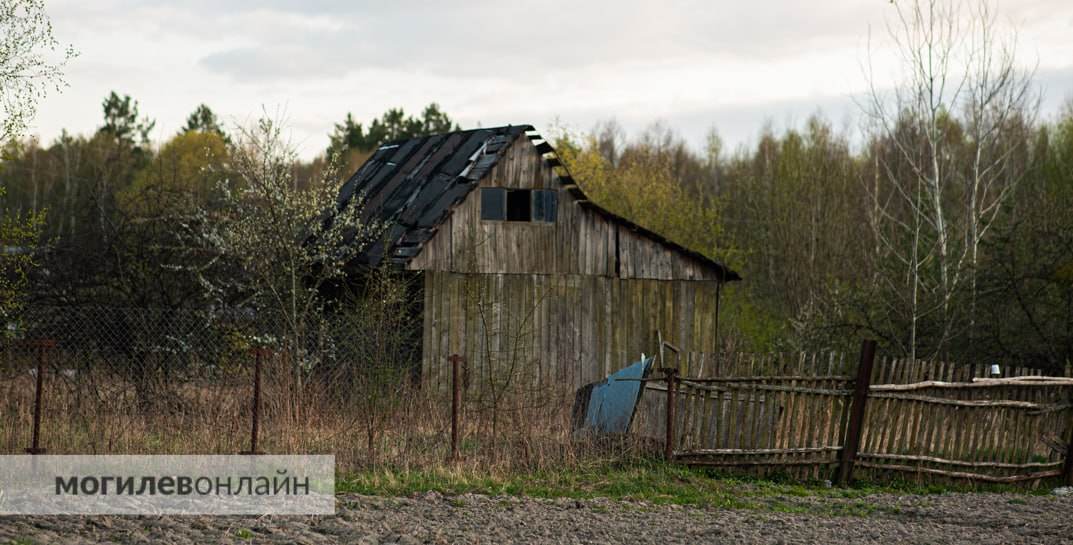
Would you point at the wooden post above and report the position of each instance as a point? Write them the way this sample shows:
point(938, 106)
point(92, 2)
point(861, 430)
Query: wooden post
point(1067, 467)
point(456, 402)
point(718, 293)
point(856, 417)
point(39, 393)
point(256, 410)
point(672, 385)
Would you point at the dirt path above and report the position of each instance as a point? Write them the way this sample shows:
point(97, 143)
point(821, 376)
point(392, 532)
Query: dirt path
point(950, 518)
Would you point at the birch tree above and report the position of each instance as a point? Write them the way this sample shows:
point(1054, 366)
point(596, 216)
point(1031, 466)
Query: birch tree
point(945, 142)
point(26, 74)
point(31, 62)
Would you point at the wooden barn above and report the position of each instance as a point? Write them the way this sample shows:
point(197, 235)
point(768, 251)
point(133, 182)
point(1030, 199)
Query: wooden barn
point(520, 272)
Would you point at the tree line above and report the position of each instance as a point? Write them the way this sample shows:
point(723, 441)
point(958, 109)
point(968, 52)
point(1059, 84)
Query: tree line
point(943, 229)
point(126, 222)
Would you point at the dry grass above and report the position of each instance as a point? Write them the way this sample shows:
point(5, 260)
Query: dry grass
point(97, 412)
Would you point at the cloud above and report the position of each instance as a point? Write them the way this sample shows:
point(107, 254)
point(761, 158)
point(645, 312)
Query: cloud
point(269, 62)
point(1057, 87)
point(466, 39)
point(693, 63)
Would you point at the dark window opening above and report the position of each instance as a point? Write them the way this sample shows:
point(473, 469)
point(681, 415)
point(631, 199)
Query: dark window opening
point(493, 203)
point(518, 205)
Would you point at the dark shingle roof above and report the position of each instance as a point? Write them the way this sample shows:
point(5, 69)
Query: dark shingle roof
point(410, 187)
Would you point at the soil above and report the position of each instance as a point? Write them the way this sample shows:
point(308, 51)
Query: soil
point(431, 518)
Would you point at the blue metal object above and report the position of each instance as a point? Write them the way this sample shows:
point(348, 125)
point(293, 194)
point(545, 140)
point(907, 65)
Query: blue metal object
point(610, 403)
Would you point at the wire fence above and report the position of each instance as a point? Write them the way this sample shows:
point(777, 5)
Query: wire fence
point(141, 381)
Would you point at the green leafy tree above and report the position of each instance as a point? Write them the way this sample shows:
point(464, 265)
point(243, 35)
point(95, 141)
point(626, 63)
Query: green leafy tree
point(160, 258)
point(393, 125)
point(641, 186)
point(79, 180)
point(122, 123)
point(347, 135)
point(203, 119)
point(1026, 279)
point(183, 176)
point(19, 245)
point(30, 65)
point(436, 121)
point(792, 197)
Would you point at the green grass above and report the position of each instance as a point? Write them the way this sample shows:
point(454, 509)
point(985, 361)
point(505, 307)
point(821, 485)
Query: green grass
point(653, 482)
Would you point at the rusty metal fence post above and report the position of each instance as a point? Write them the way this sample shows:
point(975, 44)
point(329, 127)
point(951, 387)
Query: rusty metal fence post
point(39, 393)
point(456, 401)
point(671, 375)
point(852, 437)
point(258, 354)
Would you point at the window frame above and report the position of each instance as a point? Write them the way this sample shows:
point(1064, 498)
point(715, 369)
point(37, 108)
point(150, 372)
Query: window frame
point(546, 195)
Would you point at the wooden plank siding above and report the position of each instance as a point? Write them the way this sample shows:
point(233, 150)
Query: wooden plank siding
point(561, 303)
point(550, 330)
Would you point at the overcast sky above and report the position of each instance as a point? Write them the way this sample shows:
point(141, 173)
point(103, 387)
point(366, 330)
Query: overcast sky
point(733, 65)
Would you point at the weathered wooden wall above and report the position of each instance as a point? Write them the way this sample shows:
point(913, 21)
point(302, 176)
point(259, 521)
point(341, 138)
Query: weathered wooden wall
point(580, 242)
point(556, 330)
point(561, 303)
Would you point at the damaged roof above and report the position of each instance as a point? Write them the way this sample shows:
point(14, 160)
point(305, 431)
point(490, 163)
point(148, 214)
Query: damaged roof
point(412, 186)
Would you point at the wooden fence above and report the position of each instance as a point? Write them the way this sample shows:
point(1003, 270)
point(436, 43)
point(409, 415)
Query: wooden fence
point(796, 416)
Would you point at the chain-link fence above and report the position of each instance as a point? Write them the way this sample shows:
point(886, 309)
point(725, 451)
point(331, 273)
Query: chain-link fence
point(122, 380)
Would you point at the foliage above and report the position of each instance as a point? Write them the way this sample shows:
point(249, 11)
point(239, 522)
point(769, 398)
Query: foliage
point(19, 238)
point(794, 195)
point(640, 185)
point(163, 257)
point(1026, 279)
point(121, 121)
point(393, 125)
point(948, 144)
point(289, 240)
point(203, 119)
point(30, 66)
point(183, 176)
point(78, 179)
point(836, 238)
